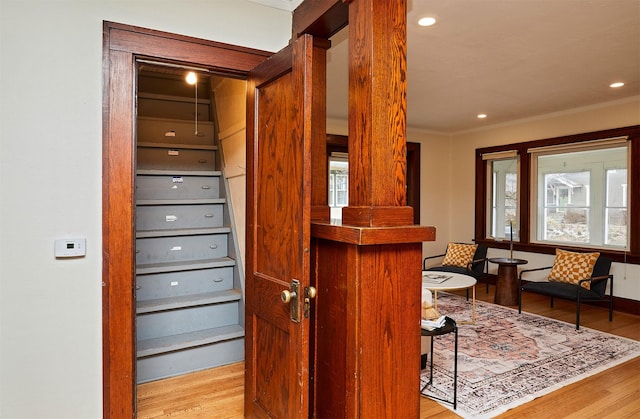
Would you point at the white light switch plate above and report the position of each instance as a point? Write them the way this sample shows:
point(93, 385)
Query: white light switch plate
point(69, 248)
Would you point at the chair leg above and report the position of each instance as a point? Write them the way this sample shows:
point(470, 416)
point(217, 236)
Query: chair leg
point(519, 300)
point(455, 370)
point(551, 302)
point(578, 314)
point(611, 309)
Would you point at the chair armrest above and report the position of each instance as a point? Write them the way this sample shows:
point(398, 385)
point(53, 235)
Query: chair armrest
point(430, 257)
point(475, 262)
point(596, 279)
point(533, 270)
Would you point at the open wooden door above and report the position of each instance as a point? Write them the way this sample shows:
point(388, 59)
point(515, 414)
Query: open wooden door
point(278, 292)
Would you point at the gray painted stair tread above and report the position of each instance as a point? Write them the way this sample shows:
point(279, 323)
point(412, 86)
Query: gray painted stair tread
point(159, 304)
point(161, 172)
point(178, 146)
point(180, 201)
point(153, 268)
point(182, 232)
point(187, 340)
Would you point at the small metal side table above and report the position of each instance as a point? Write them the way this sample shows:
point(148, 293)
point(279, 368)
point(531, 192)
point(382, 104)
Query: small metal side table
point(449, 327)
point(507, 282)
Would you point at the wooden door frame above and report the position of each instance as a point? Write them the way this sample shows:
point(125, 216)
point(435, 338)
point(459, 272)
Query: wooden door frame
point(122, 45)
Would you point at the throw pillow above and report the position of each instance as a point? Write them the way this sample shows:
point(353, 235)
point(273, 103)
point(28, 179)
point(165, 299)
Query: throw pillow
point(459, 254)
point(571, 267)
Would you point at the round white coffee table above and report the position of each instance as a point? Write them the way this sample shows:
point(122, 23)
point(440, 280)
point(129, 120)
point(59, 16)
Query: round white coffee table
point(448, 281)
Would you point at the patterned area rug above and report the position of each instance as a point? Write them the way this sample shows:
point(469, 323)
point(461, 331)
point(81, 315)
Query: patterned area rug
point(507, 359)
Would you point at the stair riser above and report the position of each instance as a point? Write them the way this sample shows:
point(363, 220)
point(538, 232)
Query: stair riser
point(189, 360)
point(175, 284)
point(185, 320)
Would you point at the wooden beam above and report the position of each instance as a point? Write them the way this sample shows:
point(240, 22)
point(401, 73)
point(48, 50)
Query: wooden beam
point(321, 18)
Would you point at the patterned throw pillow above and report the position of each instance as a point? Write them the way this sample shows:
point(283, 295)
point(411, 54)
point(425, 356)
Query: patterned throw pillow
point(571, 267)
point(459, 254)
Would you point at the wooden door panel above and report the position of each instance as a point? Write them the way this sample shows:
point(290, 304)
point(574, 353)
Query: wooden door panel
point(278, 233)
point(279, 174)
point(273, 386)
point(269, 304)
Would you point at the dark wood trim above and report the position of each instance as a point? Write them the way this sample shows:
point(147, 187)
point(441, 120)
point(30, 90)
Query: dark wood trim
point(321, 18)
point(525, 244)
point(122, 45)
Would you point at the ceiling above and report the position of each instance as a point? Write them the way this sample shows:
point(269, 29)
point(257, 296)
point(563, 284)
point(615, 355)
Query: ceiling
point(508, 59)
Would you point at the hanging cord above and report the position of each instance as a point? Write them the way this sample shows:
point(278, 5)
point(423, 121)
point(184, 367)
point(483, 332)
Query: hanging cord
point(196, 84)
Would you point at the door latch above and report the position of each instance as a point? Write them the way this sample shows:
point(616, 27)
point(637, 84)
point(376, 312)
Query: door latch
point(291, 297)
point(309, 293)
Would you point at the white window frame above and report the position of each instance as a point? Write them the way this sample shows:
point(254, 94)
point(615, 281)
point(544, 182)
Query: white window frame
point(596, 194)
point(495, 201)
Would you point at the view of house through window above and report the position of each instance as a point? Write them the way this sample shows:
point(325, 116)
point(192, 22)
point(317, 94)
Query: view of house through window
point(582, 197)
point(570, 192)
point(338, 184)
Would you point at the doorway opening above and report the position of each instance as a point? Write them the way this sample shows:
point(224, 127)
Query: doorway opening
point(123, 46)
point(189, 280)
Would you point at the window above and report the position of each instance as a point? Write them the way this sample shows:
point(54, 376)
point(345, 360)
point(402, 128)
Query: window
point(578, 194)
point(338, 183)
point(338, 166)
point(503, 196)
point(569, 192)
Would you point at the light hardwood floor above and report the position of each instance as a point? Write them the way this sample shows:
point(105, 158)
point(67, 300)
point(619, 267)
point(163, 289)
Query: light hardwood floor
point(615, 393)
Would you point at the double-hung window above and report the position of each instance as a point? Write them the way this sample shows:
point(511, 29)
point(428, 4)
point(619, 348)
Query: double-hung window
point(580, 194)
point(579, 191)
point(503, 200)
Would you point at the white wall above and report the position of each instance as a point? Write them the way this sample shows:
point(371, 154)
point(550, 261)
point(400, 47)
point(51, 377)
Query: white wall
point(50, 178)
point(231, 98)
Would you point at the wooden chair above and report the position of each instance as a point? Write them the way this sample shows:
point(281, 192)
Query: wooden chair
point(574, 292)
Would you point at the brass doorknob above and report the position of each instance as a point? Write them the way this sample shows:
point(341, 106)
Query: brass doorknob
point(311, 292)
point(287, 295)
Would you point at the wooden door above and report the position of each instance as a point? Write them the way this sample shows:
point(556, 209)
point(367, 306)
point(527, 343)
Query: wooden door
point(278, 233)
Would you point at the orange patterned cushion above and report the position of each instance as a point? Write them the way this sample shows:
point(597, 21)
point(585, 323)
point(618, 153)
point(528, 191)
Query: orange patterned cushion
point(571, 267)
point(459, 254)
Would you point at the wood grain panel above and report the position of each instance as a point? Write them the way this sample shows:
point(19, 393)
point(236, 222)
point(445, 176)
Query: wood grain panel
point(278, 216)
point(377, 103)
point(373, 235)
point(368, 313)
point(273, 386)
point(231, 59)
point(118, 241)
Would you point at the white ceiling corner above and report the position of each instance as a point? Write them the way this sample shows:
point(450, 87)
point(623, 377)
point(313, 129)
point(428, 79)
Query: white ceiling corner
point(288, 5)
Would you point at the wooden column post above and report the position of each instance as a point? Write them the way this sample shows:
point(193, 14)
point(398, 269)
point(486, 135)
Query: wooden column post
point(367, 270)
point(377, 114)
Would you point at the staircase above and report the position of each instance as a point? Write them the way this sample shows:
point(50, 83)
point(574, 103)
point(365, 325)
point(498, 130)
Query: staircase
point(189, 294)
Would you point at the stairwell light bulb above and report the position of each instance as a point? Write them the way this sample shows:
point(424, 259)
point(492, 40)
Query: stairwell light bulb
point(192, 78)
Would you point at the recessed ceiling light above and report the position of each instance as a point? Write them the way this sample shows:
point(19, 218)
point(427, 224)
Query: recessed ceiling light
point(482, 115)
point(616, 84)
point(427, 21)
